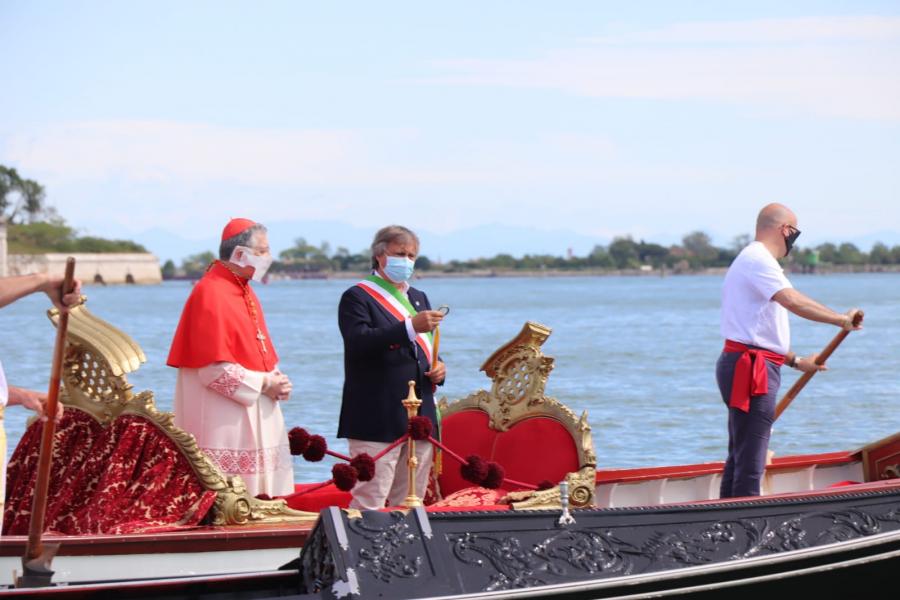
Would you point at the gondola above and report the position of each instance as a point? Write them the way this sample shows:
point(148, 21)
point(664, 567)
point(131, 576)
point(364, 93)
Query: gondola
point(824, 520)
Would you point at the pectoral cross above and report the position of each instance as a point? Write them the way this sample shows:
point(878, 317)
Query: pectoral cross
point(262, 340)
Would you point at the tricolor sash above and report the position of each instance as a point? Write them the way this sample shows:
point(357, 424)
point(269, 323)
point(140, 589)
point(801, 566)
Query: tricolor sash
point(398, 305)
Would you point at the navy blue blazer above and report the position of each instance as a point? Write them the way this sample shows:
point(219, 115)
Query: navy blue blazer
point(379, 360)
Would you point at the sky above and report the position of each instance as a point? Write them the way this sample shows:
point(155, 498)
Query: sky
point(487, 127)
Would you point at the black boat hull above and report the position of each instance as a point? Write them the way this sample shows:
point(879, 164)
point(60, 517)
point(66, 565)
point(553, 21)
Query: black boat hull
point(808, 542)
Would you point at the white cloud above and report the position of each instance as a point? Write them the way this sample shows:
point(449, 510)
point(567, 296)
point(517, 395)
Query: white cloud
point(801, 30)
point(834, 67)
point(165, 152)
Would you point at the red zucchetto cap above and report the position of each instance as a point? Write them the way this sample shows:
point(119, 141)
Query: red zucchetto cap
point(236, 226)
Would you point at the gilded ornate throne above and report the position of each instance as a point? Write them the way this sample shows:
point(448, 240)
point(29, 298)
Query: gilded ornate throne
point(535, 438)
point(119, 464)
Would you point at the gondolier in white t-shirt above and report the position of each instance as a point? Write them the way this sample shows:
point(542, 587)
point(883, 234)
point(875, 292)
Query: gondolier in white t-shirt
point(386, 326)
point(11, 289)
point(756, 298)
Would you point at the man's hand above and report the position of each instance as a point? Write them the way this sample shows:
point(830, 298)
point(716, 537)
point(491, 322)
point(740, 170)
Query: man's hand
point(35, 401)
point(427, 320)
point(52, 286)
point(807, 364)
point(277, 386)
point(437, 373)
point(849, 316)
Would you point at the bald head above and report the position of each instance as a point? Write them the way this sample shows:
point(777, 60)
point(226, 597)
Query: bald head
point(774, 216)
point(776, 227)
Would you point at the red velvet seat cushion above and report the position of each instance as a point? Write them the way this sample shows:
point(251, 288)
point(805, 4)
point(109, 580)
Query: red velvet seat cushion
point(536, 449)
point(128, 477)
point(318, 499)
point(466, 433)
point(532, 450)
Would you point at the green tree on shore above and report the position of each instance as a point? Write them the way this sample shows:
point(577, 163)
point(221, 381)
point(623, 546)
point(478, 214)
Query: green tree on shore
point(21, 200)
point(168, 269)
point(195, 265)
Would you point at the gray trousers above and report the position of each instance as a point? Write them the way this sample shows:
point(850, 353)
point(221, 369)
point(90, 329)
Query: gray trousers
point(748, 432)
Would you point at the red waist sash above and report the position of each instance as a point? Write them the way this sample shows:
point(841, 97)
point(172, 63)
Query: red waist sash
point(751, 377)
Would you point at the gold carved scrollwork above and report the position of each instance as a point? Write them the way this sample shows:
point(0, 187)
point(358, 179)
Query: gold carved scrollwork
point(98, 357)
point(891, 472)
point(519, 373)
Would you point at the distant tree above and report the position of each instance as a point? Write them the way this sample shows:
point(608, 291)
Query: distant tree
point(699, 245)
point(19, 196)
point(895, 255)
point(828, 252)
point(195, 265)
point(501, 261)
point(41, 236)
point(739, 242)
point(624, 253)
point(168, 269)
point(300, 251)
point(599, 257)
point(653, 254)
point(849, 254)
point(880, 255)
point(423, 263)
point(95, 244)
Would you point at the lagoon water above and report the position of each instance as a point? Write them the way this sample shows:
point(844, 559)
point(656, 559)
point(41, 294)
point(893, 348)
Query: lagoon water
point(637, 353)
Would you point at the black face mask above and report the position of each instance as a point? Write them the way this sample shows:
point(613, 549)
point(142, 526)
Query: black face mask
point(790, 239)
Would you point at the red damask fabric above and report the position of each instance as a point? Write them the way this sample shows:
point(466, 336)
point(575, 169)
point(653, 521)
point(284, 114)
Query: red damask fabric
point(126, 478)
point(471, 498)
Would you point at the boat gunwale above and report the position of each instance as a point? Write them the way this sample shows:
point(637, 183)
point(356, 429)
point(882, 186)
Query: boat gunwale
point(785, 463)
point(203, 539)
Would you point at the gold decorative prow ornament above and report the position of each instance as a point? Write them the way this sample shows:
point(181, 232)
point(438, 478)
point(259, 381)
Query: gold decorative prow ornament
point(98, 357)
point(411, 404)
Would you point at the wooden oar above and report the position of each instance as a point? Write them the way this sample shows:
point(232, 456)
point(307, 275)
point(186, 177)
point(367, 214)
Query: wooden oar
point(820, 360)
point(37, 559)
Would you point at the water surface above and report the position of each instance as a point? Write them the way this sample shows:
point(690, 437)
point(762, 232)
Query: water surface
point(636, 353)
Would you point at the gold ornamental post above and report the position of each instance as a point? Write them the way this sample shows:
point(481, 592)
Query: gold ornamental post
point(412, 408)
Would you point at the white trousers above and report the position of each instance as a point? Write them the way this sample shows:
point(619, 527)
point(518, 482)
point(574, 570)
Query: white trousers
point(391, 482)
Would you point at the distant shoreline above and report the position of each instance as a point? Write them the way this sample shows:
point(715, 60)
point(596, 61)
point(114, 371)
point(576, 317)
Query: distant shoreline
point(555, 273)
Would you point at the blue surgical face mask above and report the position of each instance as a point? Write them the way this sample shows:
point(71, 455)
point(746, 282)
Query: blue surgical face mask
point(398, 268)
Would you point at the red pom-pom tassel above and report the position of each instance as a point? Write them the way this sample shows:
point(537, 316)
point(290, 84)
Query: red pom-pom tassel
point(364, 465)
point(316, 449)
point(545, 484)
point(475, 469)
point(344, 476)
point(299, 440)
point(494, 477)
point(420, 428)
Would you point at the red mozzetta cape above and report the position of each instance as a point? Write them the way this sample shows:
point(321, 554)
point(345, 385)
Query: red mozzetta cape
point(216, 325)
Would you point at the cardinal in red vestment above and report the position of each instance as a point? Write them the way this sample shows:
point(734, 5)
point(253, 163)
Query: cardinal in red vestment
point(229, 387)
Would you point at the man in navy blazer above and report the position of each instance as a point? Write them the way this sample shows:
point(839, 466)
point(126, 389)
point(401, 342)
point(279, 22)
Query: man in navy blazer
point(386, 326)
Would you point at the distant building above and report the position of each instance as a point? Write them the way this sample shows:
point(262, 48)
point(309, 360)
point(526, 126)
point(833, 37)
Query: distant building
point(138, 267)
point(141, 268)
